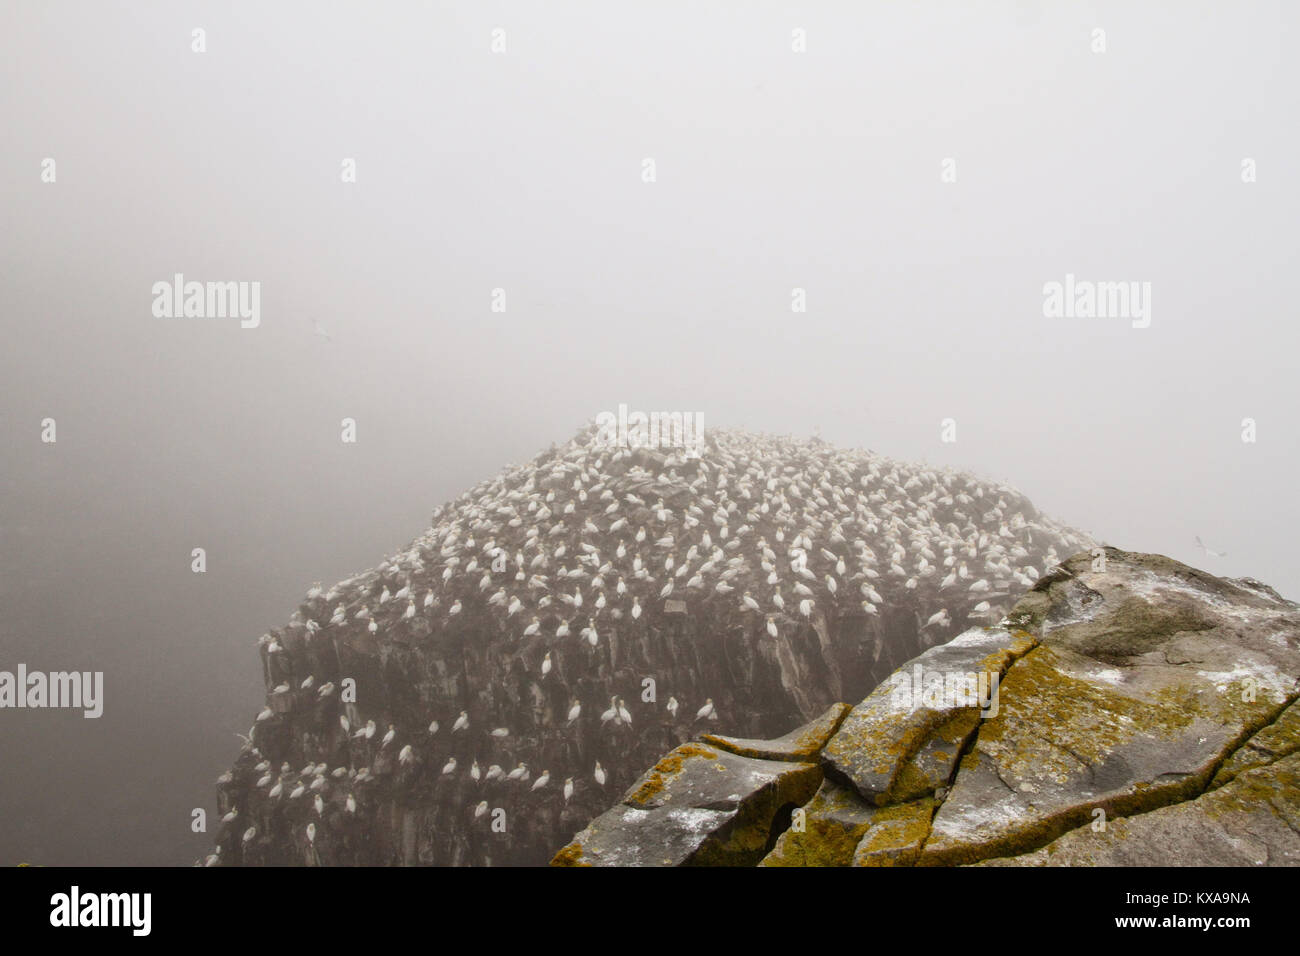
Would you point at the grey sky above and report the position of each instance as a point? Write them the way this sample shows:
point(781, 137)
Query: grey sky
point(522, 170)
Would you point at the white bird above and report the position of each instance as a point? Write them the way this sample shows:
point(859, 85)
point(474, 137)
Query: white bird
point(461, 722)
point(599, 774)
point(318, 329)
point(542, 781)
point(1213, 554)
point(568, 789)
point(546, 664)
point(707, 712)
point(450, 766)
point(672, 706)
point(940, 618)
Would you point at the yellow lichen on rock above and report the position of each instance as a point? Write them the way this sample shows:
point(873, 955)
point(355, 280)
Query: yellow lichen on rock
point(896, 835)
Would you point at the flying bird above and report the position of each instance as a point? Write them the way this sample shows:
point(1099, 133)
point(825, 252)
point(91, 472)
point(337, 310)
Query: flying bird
point(1213, 554)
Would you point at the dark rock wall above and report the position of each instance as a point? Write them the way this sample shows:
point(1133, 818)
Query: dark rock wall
point(413, 813)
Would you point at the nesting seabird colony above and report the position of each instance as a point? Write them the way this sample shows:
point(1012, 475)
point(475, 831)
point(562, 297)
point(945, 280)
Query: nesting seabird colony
point(552, 565)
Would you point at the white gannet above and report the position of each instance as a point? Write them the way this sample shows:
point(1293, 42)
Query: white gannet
point(1213, 554)
point(939, 618)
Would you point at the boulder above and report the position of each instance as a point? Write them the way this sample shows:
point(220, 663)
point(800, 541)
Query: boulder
point(698, 806)
point(1147, 676)
point(1146, 713)
point(1254, 820)
point(890, 727)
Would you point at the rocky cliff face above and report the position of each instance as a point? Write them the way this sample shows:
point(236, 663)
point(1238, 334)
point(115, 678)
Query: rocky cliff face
point(1145, 713)
point(479, 697)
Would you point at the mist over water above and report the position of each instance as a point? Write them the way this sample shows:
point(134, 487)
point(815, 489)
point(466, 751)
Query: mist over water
point(523, 171)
